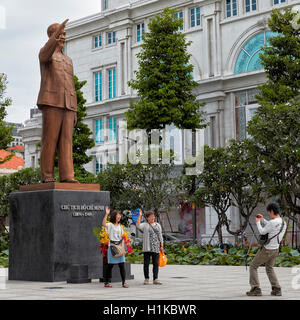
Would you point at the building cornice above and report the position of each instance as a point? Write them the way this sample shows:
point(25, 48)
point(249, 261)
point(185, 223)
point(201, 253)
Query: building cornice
point(109, 106)
point(216, 88)
point(117, 18)
point(107, 13)
point(208, 90)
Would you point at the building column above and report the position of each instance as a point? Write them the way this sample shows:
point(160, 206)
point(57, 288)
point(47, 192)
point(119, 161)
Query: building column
point(218, 40)
point(209, 29)
point(125, 59)
point(120, 70)
point(212, 40)
point(221, 124)
point(129, 58)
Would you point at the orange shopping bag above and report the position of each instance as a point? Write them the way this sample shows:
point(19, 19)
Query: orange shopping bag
point(162, 261)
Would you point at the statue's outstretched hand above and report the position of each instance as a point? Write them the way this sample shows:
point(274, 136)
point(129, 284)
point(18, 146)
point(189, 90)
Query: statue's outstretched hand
point(61, 28)
point(63, 25)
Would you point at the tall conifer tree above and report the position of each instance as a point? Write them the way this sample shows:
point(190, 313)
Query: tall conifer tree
point(164, 80)
point(275, 130)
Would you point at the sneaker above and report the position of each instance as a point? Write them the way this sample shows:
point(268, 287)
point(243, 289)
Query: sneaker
point(276, 292)
point(256, 291)
point(146, 281)
point(107, 285)
point(125, 285)
point(156, 281)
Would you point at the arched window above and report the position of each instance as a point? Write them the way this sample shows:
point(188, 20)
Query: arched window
point(192, 72)
point(248, 58)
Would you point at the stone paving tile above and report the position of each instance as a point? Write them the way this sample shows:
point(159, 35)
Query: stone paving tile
point(199, 283)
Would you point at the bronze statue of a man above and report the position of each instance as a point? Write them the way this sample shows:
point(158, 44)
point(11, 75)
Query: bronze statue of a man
point(58, 102)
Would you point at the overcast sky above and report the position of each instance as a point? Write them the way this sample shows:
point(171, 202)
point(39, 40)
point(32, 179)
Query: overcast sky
point(24, 33)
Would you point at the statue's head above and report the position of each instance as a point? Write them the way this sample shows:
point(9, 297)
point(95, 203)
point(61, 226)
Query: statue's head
point(53, 28)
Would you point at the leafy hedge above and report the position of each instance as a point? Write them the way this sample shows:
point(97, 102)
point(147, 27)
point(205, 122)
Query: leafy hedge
point(192, 255)
point(205, 255)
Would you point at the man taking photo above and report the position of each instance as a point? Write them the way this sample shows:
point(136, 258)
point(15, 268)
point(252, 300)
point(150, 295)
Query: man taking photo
point(275, 228)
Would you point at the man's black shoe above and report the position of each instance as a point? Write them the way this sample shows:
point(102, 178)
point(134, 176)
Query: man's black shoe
point(254, 292)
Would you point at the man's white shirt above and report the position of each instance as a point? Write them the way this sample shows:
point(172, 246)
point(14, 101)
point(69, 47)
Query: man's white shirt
point(272, 227)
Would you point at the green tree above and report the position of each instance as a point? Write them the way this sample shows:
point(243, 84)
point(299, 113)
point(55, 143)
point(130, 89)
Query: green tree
point(244, 175)
point(275, 129)
point(281, 60)
point(231, 177)
point(164, 80)
point(82, 140)
point(115, 180)
point(5, 131)
point(155, 184)
point(146, 186)
point(213, 186)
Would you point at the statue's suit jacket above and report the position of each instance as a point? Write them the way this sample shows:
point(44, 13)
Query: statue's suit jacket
point(58, 102)
point(57, 79)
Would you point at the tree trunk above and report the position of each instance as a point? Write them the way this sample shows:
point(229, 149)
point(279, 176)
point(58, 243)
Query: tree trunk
point(212, 235)
point(218, 229)
point(220, 234)
point(157, 215)
point(2, 224)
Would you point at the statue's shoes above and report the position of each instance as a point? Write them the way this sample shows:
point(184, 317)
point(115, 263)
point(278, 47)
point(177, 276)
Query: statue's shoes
point(70, 181)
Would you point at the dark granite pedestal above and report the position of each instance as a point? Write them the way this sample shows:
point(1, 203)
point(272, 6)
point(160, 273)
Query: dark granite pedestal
point(50, 230)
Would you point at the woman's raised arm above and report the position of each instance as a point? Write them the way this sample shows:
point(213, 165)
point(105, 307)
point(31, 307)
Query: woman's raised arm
point(107, 210)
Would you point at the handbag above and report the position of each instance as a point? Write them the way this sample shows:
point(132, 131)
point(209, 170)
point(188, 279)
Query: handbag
point(117, 249)
point(263, 239)
point(162, 260)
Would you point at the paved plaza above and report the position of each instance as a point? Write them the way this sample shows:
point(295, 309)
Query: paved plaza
point(179, 283)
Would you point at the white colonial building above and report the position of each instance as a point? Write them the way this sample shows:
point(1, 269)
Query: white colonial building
point(226, 35)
